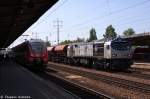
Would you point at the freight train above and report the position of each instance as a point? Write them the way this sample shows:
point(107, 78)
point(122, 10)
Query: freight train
point(142, 54)
point(32, 53)
point(109, 55)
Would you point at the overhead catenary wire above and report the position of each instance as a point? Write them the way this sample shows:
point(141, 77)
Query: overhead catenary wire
point(134, 20)
point(112, 13)
point(121, 25)
point(144, 2)
point(53, 11)
point(108, 6)
point(100, 17)
point(93, 19)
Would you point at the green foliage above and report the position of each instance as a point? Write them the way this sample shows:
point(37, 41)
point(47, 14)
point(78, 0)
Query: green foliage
point(110, 32)
point(92, 35)
point(73, 41)
point(79, 40)
point(48, 43)
point(129, 32)
point(65, 42)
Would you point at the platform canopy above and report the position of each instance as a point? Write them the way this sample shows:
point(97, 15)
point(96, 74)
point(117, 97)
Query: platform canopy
point(141, 39)
point(16, 16)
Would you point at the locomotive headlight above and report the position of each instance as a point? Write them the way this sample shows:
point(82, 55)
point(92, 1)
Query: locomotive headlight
point(114, 55)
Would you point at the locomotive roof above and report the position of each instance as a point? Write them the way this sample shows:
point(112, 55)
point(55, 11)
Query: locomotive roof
point(28, 41)
point(86, 43)
point(118, 39)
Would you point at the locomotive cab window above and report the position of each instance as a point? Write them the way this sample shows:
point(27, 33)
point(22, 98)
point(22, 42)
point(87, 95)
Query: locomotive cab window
point(121, 45)
point(37, 47)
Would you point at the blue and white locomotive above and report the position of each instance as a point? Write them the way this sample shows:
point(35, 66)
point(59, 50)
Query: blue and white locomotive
point(113, 54)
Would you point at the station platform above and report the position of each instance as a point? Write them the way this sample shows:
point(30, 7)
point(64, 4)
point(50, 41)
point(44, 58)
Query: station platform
point(141, 65)
point(16, 82)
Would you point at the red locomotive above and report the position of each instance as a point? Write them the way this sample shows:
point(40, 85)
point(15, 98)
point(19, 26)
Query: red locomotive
point(32, 53)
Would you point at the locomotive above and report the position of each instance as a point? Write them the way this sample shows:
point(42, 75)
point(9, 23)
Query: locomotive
point(32, 53)
point(109, 55)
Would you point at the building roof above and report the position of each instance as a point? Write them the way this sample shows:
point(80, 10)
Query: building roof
point(17, 16)
point(141, 39)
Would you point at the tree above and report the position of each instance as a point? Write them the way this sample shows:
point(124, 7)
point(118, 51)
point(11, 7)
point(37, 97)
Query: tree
point(79, 40)
point(92, 35)
point(48, 43)
point(65, 42)
point(129, 32)
point(72, 41)
point(110, 32)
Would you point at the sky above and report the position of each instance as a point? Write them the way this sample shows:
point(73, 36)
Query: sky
point(77, 17)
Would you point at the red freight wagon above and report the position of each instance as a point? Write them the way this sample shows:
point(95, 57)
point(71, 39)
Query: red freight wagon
point(60, 52)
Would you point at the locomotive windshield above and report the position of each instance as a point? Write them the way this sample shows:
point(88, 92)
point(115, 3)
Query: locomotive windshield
point(37, 47)
point(120, 45)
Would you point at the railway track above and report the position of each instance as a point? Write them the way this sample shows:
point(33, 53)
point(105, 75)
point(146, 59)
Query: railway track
point(135, 73)
point(80, 92)
point(141, 70)
point(132, 85)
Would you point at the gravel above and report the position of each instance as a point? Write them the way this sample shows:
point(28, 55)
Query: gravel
point(115, 91)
